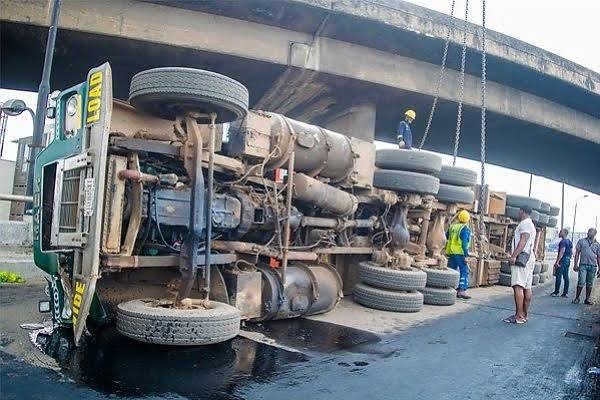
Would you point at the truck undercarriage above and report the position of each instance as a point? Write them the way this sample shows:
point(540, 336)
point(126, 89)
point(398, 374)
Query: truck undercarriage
point(182, 212)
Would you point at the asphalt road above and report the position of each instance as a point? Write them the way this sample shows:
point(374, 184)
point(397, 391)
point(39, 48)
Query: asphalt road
point(470, 355)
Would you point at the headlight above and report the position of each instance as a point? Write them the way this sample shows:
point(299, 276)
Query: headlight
point(72, 106)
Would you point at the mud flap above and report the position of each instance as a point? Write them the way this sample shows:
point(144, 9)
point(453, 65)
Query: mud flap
point(98, 111)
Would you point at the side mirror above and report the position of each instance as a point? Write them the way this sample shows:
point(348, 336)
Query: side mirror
point(51, 112)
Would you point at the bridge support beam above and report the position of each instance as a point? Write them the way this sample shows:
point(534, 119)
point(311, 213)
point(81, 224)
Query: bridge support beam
point(358, 122)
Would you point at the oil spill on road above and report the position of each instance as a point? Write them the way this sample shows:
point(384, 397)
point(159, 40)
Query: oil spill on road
point(115, 365)
point(314, 336)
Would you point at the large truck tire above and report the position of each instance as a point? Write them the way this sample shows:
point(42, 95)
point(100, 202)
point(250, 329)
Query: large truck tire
point(457, 176)
point(156, 321)
point(442, 278)
point(544, 208)
point(505, 279)
point(438, 296)
point(519, 201)
point(406, 181)
point(544, 219)
point(408, 160)
point(554, 211)
point(552, 222)
point(171, 91)
point(387, 300)
point(512, 212)
point(387, 278)
point(455, 194)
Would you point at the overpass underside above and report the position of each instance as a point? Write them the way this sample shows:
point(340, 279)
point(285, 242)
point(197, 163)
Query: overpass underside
point(318, 96)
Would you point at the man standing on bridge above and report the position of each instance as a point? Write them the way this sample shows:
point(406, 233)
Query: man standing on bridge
point(457, 250)
point(404, 132)
point(522, 276)
point(587, 259)
point(563, 261)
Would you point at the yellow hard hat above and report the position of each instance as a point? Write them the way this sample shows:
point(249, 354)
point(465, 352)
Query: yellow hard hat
point(464, 216)
point(411, 114)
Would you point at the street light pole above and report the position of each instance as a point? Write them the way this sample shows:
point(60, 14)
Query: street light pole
point(575, 216)
point(43, 92)
point(562, 208)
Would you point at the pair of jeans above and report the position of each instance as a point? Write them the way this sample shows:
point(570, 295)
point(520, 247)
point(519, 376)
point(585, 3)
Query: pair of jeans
point(459, 262)
point(562, 274)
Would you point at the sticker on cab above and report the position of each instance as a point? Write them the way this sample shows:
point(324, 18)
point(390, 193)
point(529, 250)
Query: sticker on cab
point(89, 190)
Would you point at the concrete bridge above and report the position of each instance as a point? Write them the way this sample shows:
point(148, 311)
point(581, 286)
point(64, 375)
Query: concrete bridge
point(350, 65)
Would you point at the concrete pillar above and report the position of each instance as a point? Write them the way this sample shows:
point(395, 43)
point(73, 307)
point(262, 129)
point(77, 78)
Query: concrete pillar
point(358, 122)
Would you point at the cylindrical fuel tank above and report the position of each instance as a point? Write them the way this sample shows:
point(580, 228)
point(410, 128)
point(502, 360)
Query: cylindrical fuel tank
point(318, 151)
point(323, 195)
point(309, 289)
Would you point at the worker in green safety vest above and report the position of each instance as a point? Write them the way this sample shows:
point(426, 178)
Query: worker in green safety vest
point(457, 250)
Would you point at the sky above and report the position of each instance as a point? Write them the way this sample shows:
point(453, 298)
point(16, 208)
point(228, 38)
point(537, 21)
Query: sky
point(569, 29)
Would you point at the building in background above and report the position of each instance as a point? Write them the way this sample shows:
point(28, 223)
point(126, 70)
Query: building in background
point(7, 168)
point(19, 185)
point(21, 169)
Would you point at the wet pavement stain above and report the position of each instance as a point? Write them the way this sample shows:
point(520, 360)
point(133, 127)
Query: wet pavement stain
point(314, 336)
point(115, 365)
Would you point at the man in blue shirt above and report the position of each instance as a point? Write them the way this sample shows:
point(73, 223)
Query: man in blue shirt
point(563, 261)
point(404, 132)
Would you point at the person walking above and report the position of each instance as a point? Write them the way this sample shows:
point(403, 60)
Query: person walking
point(404, 133)
point(457, 250)
point(563, 261)
point(587, 259)
point(522, 276)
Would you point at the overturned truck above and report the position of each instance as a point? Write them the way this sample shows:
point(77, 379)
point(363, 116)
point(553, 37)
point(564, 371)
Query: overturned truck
point(180, 212)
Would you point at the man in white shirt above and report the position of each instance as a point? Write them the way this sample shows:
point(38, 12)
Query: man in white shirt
point(522, 277)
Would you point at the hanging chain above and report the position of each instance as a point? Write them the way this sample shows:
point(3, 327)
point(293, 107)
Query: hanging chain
point(483, 109)
point(461, 84)
point(440, 79)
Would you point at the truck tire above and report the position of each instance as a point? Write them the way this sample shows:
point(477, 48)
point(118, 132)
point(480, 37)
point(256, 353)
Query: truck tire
point(544, 208)
point(505, 267)
point(535, 216)
point(505, 279)
point(554, 211)
point(552, 222)
point(387, 278)
point(387, 300)
point(512, 212)
point(536, 279)
point(406, 181)
point(457, 176)
point(442, 278)
point(148, 320)
point(543, 219)
point(408, 160)
point(455, 194)
point(438, 296)
point(171, 91)
point(519, 201)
